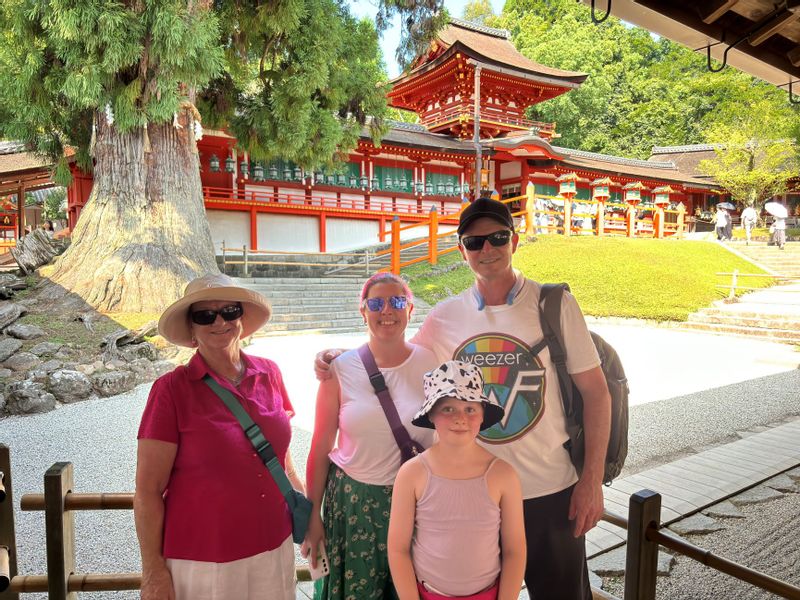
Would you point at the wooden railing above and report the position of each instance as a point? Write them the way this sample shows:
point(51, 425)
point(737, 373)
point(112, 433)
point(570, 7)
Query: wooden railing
point(735, 285)
point(400, 203)
point(544, 214)
point(59, 504)
point(248, 261)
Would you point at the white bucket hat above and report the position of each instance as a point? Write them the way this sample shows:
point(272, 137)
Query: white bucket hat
point(459, 380)
point(174, 323)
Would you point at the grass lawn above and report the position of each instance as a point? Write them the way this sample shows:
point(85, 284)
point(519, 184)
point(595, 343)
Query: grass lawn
point(639, 278)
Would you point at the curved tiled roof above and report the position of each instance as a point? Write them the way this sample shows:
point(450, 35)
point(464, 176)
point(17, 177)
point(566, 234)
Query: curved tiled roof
point(686, 148)
point(618, 160)
point(494, 46)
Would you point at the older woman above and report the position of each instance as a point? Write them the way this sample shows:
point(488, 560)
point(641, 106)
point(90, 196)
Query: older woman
point(211, 521)
point(356, 475)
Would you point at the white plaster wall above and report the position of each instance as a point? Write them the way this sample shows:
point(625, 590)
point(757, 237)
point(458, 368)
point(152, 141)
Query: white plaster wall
point(230, 227)
point(323, 198)
point(288, 233)
point(510, 170)
point(262, 194)
point(376, 201)
point(408, 205)
point(298, 195)
point(344, 235)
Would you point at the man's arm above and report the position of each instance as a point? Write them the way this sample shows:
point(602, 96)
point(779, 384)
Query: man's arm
point(586, 505)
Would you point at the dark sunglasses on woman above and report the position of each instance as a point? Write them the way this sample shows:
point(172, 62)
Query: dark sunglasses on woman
point(396, 302)
point(496, 239)
point(207, 317)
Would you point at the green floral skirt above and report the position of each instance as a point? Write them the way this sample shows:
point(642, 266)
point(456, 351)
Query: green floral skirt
point(356, 517)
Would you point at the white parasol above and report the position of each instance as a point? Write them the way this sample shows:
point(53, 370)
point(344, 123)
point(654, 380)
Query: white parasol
point(776, 210)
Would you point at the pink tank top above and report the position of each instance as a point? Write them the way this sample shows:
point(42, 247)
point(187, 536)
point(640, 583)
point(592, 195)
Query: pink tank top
point(456, 546)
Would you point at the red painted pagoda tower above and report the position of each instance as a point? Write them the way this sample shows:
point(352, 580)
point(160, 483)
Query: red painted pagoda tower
point(468, 61)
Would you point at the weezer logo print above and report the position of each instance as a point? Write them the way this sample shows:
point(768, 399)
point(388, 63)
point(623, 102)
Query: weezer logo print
point(514, 377)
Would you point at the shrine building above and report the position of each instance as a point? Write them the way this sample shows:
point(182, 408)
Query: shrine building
point(429, 165)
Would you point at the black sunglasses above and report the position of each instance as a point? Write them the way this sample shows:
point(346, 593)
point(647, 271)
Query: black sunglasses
point(476, 242)
point(207, 317)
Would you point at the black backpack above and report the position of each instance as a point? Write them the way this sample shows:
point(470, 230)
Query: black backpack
point(550, 312)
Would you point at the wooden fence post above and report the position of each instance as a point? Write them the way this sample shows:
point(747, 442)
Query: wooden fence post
point(396, 245)
point(567, 216)
point(244, 260)
point(433, 237)
point(734, 281)
point(641, 561)
point(630, 221)
point(8, 540)
point(600, 221)
point(59, 531)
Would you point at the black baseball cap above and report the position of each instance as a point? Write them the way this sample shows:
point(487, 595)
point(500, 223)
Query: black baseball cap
point(485, 207)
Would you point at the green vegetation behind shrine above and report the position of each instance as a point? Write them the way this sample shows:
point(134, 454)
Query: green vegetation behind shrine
point(663, 280)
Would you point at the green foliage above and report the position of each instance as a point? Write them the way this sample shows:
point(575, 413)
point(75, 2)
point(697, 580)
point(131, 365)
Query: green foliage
point(478, 11)
point(55, 204)
point(754, 159)
point(640, 92)
point(292, 78)
point(419, 22)
point(637, 278)
point(63, 60)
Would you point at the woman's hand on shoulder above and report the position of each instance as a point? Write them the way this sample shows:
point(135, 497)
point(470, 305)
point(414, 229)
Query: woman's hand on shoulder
point(322, 362)
point(157, 584)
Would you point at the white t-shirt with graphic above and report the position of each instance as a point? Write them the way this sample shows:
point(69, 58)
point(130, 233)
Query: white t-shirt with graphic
point(499, 339)
point(365, 448)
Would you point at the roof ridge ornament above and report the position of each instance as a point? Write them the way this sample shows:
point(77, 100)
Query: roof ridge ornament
point(472, 25)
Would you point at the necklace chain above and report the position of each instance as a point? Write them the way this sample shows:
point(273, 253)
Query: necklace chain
point(238, 379)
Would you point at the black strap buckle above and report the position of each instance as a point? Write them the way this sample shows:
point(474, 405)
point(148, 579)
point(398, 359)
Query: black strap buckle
point(378, 382)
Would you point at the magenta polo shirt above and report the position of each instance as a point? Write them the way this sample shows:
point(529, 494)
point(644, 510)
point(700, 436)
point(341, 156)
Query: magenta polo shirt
point(221, 503)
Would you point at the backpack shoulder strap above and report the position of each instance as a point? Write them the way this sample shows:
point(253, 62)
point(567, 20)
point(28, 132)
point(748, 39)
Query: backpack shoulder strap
point(550, 316)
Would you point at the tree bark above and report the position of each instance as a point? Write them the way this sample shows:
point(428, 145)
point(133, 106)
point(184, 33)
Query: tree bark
point(143, 233)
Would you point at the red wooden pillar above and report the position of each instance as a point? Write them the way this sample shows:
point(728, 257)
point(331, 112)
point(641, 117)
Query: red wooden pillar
point(21, 211)
point(630, 221)
point(323, 234)
point(253, 228)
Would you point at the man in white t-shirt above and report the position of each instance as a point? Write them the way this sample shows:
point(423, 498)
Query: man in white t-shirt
point(495, 324)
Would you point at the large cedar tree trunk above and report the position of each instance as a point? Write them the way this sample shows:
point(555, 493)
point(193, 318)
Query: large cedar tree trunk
point(143, 233)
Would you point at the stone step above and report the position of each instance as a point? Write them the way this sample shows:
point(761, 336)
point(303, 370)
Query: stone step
point(761, 321)
point(782, 335)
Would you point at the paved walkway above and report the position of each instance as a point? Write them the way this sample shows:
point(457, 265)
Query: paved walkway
point(691, 484)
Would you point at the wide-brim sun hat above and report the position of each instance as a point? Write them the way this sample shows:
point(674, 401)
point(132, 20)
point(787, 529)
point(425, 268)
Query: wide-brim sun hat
point(459, 380)
point(174, 324)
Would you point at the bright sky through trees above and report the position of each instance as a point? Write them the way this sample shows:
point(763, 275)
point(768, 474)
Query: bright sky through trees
point(391, 37)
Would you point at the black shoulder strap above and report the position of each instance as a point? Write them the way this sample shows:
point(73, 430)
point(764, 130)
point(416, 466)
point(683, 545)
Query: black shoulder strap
point(550, 314)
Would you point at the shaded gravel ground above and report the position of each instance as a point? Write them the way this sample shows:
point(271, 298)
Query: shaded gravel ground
point(766, 540)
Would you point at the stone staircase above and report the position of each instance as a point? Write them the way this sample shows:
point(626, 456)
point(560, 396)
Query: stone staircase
point(323, 297)
point(303, 305)
point(772, 313)
point(784, 262)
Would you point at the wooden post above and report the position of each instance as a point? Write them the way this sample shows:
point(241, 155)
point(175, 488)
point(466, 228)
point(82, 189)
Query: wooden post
point(641, 562)
point(396, 245)
point(433, 239)
point(658, 222)
point(530, 204)
point(630, 221)
point(323, 233)
point(8, 538)
point(59, 531)
point(601, 218)
point(244, 261)
point(253, 228)
point(681, 220)
point(567, 216)
point(734, 280)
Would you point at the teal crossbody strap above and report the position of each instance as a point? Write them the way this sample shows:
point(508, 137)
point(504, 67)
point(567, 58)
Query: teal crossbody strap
point(256, 437)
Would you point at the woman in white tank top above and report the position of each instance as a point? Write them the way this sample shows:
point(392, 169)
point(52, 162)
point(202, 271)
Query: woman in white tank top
point(456, 527)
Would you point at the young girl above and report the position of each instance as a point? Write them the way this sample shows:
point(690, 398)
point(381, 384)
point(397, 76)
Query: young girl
point(456, 527)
